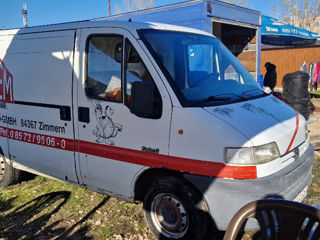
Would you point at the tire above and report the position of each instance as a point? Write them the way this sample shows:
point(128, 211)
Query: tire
point(175, 210)
point(296, 93)
point(8, 174)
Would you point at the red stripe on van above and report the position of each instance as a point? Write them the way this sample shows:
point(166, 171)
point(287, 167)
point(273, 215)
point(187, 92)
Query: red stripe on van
point(295, 133)
point(38, 139)
point(205, 168)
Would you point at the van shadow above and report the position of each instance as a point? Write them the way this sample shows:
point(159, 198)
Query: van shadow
point(29, 221)
point(6, 205)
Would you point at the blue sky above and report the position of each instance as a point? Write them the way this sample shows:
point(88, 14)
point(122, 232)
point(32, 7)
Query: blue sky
point(54, 11)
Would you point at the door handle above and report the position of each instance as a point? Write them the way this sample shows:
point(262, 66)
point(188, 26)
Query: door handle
point(83, 114)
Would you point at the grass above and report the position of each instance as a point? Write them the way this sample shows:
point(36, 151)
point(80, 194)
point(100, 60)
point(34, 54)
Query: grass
point(47, 209)
point(313, 197)
point(315, 94)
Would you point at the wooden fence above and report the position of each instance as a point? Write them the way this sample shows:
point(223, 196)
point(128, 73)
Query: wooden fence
point(289, 60)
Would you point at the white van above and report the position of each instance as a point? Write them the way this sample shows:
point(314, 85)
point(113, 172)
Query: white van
point(146, 111)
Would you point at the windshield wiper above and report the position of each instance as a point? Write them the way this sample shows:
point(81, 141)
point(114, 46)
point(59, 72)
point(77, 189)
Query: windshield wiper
point(252, 90)
point(239, 96)
point(208, 99)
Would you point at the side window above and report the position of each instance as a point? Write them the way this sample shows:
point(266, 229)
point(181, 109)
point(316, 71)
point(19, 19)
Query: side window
point(104, 68)
point(135, 69)
point(105, 62)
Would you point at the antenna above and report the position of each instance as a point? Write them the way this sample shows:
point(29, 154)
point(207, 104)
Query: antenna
point(24, 14)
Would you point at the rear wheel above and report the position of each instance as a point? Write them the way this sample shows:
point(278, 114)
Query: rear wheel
point(174, 210)
point(8, 174)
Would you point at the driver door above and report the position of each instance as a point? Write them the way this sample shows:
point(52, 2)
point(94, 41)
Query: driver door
point(114, 144)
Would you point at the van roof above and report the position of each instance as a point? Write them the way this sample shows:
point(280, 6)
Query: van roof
point(99, 23)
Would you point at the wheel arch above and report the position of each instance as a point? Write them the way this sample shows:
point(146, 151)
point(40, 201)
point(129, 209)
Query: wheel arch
point(175, 183)
point(8, 174)
point(4, 148)
point(145, 180)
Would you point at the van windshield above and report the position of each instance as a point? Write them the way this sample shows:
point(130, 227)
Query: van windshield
point(200, 69)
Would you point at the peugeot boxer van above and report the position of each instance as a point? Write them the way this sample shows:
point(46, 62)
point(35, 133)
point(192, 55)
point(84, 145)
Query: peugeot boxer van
point(151, 112)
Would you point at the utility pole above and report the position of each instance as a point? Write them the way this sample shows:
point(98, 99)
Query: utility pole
point(109, 7)
point(24, 15)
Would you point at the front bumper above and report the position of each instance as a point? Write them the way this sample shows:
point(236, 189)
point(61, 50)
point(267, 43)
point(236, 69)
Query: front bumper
point(225, 197)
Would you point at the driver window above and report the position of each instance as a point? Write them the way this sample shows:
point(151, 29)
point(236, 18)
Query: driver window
point(105, 62)
point(104, 68)
point(135, 68)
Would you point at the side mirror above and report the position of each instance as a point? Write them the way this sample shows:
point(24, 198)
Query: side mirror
point(144, 100)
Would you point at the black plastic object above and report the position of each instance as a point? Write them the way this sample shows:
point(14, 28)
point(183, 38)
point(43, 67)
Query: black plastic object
point(84, 115)
point(142, 98)
point(65, 113)
point(278, 220)
point(295, 92)
point(145, 100)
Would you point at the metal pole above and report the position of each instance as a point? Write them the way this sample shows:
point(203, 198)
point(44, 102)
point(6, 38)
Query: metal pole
point(24, 15)
point(109, 7)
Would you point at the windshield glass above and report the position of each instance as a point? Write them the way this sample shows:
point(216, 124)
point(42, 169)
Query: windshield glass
point(200, 69)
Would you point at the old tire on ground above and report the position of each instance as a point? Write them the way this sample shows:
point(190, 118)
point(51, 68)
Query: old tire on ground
point(175, 210)
point(296, 93)
point(8, 174)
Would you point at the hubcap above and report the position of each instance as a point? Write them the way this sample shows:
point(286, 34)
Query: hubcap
point(169, 216)
point(2, 168)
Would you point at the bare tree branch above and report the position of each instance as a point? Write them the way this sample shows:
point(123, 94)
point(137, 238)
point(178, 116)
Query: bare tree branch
point(117, 9)
point(134, 5)
point(300, 13)
point(275, 11)
point(242, 3)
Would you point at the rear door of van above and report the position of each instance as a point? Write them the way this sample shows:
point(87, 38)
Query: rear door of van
point(41, 133)
point(114, 144)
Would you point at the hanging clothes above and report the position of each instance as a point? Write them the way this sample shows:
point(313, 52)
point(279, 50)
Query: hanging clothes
point(310, 72)
point(311, 76)
point(316, 73)
point(303, 67)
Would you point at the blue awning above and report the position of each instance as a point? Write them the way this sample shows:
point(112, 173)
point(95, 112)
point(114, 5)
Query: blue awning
point(275, 32)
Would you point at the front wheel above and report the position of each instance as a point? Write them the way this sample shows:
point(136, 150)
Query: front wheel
point(8, 174)
point(174, 210)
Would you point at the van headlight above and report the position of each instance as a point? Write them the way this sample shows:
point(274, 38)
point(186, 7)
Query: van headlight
point(252, 155)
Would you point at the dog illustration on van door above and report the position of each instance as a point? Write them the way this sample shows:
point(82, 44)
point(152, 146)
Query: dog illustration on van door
point(106, 128)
